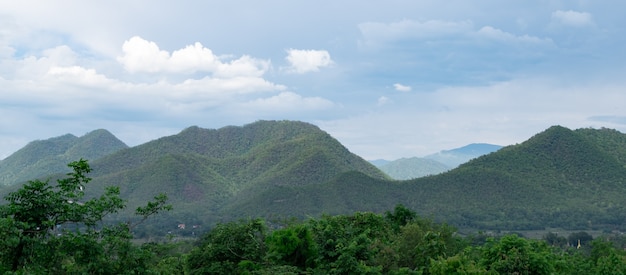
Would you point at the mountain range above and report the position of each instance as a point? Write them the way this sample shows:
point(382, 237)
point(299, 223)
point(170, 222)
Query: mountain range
point(416, 167)
point(279, 169)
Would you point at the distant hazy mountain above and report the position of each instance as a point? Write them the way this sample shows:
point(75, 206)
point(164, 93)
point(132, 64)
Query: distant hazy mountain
point(379, 162)
point(415, 167)
point(411, 168)
point(455, 157)
point(46, 157)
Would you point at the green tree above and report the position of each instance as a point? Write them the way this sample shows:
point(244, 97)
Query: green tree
point(350, 244)
point(400, 216)
point(230, 248)
point(515, 255)
point(422, 240)
point(606, 258)
point(554, 239)
point(52, 229)
point(293, 246)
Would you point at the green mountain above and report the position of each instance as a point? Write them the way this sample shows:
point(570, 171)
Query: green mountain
point(46, 157)
point(202, 170)
point(558, 178)
point(411, 168)
point(574, 179)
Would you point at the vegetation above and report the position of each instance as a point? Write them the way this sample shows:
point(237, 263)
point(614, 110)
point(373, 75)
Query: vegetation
point(398, 242)
point(280, 169)
point(53, 229)
point(50, 229)
point(43, 158)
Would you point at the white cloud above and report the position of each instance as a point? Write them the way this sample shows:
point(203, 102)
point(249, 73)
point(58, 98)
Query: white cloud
point(76, 75)
point(304, 61)
point(499, 35)
point(288, 101)
point(401, 88)
point(572, 18)
point(237, 85)
point(140, 55)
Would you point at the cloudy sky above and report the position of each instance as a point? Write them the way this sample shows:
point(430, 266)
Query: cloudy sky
point(388, 79)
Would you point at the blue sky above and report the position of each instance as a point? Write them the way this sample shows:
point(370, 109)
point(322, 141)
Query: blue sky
point(388, 79)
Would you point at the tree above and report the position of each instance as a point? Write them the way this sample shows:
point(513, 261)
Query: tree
point(229, 248)
point(50, 228)
point(400, 216)
point(293, 246)
point(515, 255)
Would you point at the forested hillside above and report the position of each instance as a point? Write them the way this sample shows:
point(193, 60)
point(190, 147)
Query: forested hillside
point(282, 169)
point(46, 157)
point(203, 170)
point(558, 178)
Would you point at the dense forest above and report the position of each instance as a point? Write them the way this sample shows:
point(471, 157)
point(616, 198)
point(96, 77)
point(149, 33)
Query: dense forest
point(52, 229)
point(559, 178)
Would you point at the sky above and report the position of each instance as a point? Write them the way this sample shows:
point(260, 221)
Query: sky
point(388, 79)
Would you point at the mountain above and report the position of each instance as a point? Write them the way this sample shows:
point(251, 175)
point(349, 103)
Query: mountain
point(415, 167)
point(411, 168)
point(202, 170)
point(46, 157)
point(379, 162)
point(572, 179)
point(557, 178)
point(455, 157)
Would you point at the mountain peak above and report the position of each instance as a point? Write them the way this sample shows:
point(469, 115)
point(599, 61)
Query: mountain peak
point(46, 157)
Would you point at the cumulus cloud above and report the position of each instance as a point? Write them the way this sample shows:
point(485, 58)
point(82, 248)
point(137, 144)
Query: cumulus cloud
point(401, 88)
point(79, 75)
point(304, 61)
point(572, 18)
point(140, 55)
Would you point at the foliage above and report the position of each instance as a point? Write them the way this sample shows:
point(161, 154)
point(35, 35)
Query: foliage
point(515, 255)
point(559, 178)
point(53, 229)
point(229, 248)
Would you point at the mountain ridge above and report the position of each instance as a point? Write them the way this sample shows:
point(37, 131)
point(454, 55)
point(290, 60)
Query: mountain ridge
point(41, 158)
point(565, 178)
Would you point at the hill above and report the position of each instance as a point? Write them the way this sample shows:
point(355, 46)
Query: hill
point(41, 158)
point(204, 169)
point(455, 157)
point(411, 168)
point(574, 179)
point(558, 178)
